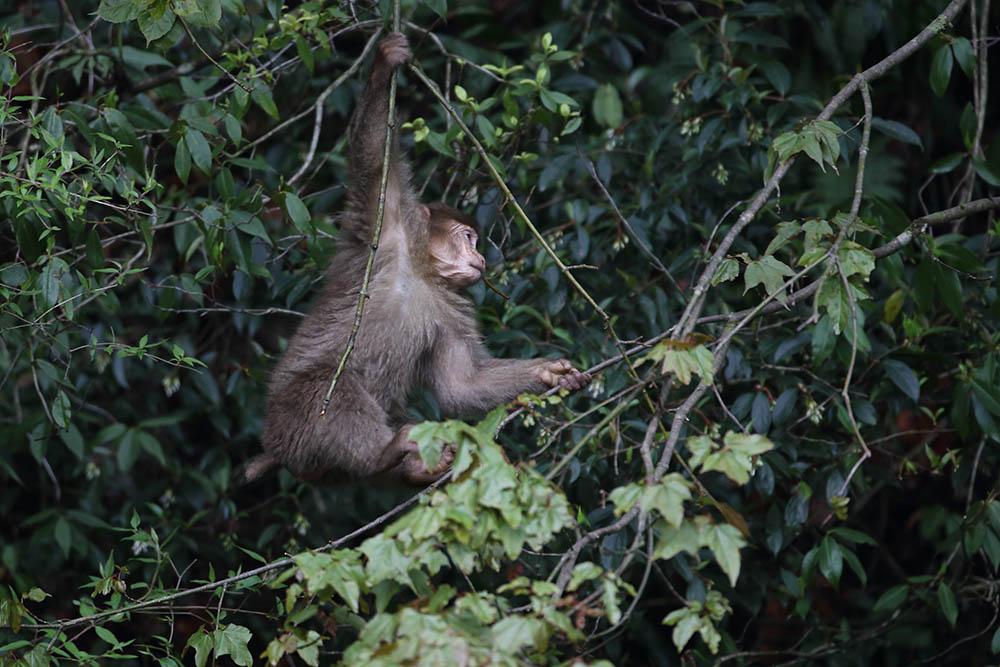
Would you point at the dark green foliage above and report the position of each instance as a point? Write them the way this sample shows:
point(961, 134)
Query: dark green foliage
point(168, 201)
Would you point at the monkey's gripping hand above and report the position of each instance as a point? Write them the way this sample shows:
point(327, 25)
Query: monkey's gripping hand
point(393, 51)
point(562, 374)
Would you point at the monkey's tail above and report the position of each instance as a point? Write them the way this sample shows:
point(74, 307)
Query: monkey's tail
point(254, 469)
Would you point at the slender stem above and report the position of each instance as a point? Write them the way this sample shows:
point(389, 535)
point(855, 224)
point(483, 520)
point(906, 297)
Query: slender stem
point(510, 199)
point(359, 311)
point(212, 60)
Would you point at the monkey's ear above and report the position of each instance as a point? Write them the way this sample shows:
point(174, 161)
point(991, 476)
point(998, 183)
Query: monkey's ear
point(424, 211)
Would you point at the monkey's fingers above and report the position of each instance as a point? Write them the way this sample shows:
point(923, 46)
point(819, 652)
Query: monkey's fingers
point(574, 380)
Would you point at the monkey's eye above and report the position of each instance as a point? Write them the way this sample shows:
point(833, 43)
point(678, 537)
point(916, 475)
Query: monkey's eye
point(470, 237)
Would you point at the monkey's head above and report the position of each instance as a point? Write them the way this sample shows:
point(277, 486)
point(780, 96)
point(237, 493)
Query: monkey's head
point(452, 246)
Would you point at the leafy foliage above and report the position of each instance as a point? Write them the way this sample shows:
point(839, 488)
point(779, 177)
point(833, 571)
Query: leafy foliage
point(796, 461)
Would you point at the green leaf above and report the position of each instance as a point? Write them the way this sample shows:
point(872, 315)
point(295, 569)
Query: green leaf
point(262, 97)
point(786, 231)
point(903, 377)
point(891, 599)
point(128, 451)
point(14, 275)
point(61, 410)
point(514, 633)
point(106, 635)
point(439, 7)
point(673, 541)
point(686, 622)
point(729, 269)
point(156, 21)
point(142, 59)
point(941, 70)
point(63, 535)
point(949, 607)
point(232, 640)
point(831, 560)
point(120, 11)
point(893, 306)
point(965, 55)
point(202, 644)
point(625, 497)
point(51, 280)
point(947, 164)
point(778, 75)
point(36, 594)
point(607, 106)
point(855, 259)
point(233, 128)
point(770, 272)
point(182, 161)
point(987, 172)
point(297, 211)
point(667, 498)
point(725, 542)
point(851, 535)
point(682, 363)
point(201, 152)
point(995, 642)
point(897, 131)
point(199, 13)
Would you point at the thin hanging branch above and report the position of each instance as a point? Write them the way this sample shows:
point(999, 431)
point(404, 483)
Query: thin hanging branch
point(522, 216)
point(359, 311)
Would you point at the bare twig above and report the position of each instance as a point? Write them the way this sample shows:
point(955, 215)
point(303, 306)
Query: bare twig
point(318, 107)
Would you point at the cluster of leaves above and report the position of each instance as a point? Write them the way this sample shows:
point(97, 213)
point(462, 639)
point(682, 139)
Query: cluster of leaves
point(168, 200)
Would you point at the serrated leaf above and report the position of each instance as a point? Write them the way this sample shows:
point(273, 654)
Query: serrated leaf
point(120, 11)
point(728, 269)
point(232, 640)
point(855, 259)
point(673, 541)
point(785, 232)
point(769, 272)
point(156, 21)
point(725, 542)
point(667, 498)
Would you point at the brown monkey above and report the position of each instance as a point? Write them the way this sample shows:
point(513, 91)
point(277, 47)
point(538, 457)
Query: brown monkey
point(418, 331)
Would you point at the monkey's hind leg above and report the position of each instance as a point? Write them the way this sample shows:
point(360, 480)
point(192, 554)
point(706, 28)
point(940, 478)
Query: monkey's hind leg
point(353, 439)
point(410, 468)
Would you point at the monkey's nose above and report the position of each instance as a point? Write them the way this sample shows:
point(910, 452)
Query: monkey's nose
point(479, 262)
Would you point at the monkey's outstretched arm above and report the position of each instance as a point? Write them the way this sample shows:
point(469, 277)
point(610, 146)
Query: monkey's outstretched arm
point(466, 379)
point(367, 148)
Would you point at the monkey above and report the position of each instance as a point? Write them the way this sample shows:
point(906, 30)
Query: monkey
point(418, 330)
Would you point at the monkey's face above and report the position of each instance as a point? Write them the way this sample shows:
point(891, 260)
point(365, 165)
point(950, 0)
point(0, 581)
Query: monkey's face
point(453, 251)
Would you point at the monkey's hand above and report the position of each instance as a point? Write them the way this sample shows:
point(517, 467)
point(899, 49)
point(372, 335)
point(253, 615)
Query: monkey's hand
point(562, 374)
point(393, 51)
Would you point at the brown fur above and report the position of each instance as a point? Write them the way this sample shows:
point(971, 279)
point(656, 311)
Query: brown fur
point(416, 333)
